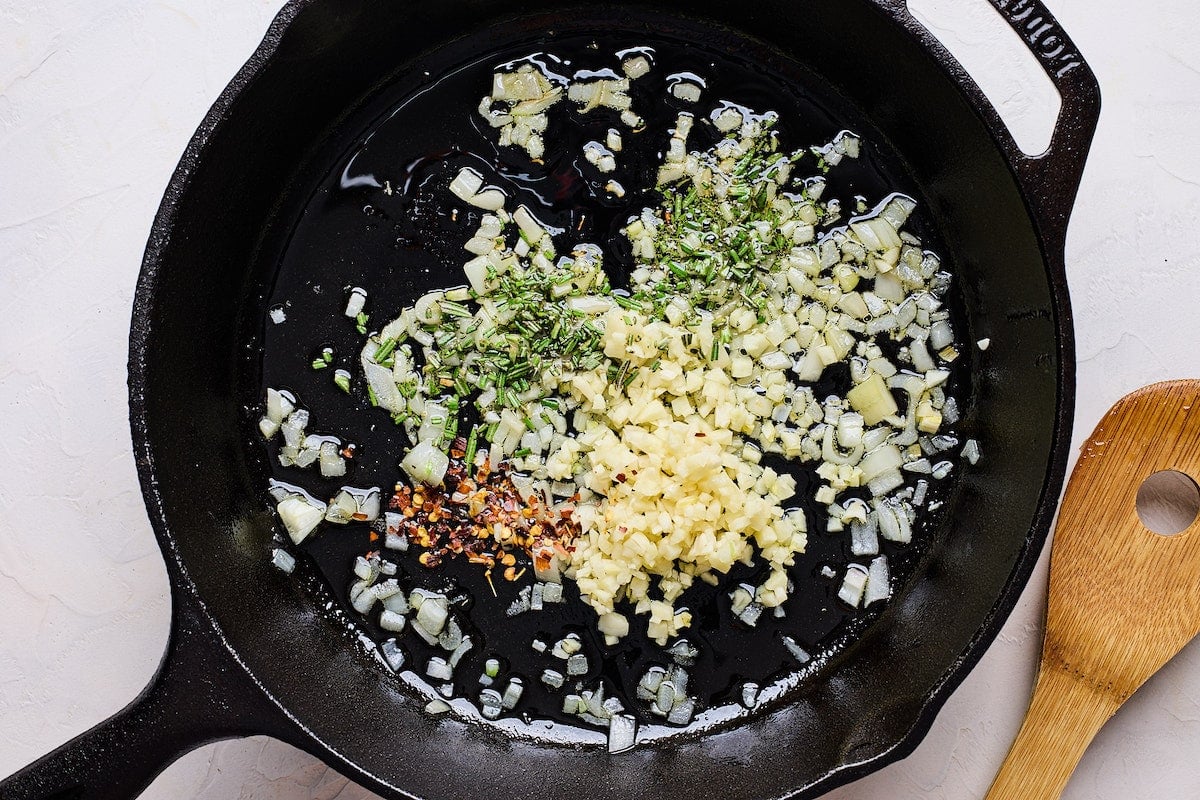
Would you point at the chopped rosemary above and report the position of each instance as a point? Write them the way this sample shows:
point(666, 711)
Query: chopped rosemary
point(472, 445)
point(323, 359)
point(385, 349)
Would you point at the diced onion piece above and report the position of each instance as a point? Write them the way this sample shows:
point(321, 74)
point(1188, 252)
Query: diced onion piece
point(528, 224)
point(613, 624)
point(682, 713)
point(589, 304)
point(433, 614)
point(635, 67)
point(512, 694)
point(878, 582)
point(727, 119)
point(466, 184)
point(853, 585)
point(392, 621)
point(428, 307)
point(941, 469)
point(490, 199)
point(893, 523)
point(394, 656)
point(873, 400)
point(622, 733)
point(368, 505)
point(332, 464)
point(300, 516)
point(342, 508)
point(383, 386)
point(941, 335)
point(283, 560)
point(883, 459)
point(437, 706)
point(686, 91)
point(433, 422)
point(476, 271)
point(279, 405)
point(426, 464)
point(356, 302)
point(268, 427)
point(864, 539)
point(438, 669)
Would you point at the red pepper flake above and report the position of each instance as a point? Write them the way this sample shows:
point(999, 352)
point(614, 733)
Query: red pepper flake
point(484, 517)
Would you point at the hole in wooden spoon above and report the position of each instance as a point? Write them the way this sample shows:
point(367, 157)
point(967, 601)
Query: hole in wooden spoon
point(1168, 501)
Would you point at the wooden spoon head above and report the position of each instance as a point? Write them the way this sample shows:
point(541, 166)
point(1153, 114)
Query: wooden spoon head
point(1123, 599)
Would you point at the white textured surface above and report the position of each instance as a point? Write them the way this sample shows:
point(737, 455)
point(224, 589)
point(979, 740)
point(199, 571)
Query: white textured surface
point(98, 99)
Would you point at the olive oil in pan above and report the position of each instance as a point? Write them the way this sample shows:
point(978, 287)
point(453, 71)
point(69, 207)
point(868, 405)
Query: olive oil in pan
point(381, 218)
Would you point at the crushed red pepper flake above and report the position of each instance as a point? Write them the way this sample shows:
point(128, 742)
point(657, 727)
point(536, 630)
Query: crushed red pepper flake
point(479, 513)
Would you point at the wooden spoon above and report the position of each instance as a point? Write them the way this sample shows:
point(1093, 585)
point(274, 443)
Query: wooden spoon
point(1123, 600)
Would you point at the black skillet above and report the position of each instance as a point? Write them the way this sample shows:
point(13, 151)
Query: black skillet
point(250, 652)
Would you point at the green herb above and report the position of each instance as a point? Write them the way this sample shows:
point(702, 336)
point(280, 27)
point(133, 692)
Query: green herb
point(386, 348)
point(323, 359)
point(360, 322)
point(472, 445)
point(341, 379)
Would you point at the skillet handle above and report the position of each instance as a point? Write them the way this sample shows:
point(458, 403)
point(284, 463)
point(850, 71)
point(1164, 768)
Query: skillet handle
point(1050, 179)
point(198, 695)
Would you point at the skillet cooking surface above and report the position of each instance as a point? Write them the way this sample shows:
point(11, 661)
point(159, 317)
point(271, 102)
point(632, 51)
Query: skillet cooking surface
point(378, 216)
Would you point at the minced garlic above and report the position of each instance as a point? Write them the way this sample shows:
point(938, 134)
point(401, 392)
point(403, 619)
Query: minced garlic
point(679, 498)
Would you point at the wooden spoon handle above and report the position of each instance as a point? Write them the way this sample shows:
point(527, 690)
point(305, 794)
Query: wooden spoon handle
point(1063, 718)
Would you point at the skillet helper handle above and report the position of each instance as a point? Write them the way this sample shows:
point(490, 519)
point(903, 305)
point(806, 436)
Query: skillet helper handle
point(198, 695)
point(1122, 599)
point(1051, 179)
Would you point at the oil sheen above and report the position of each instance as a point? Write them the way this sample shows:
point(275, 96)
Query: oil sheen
point(375, 213)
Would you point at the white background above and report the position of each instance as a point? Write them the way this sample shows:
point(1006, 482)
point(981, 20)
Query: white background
point(97, 101)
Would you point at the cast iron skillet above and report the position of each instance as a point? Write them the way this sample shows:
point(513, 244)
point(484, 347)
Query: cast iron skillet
point(251, 653)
